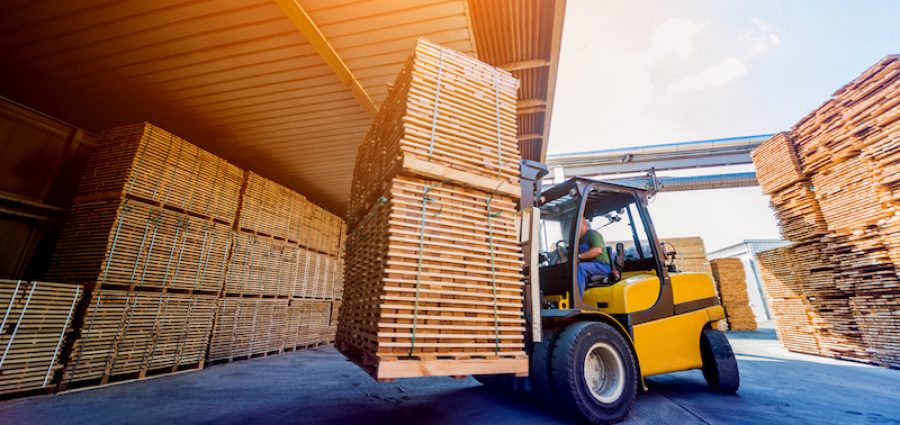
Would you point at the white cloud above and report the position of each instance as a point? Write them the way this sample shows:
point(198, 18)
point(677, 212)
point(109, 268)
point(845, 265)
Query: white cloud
point(760, 37)
point(724, 72)
point(674, 37)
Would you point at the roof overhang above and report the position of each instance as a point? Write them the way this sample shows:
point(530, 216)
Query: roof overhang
point(286, 88)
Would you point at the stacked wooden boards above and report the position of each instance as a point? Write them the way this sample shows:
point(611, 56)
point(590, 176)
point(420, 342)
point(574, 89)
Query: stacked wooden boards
point(835, 187)
point(284, 273)
point(690, 254)
point(433, 277)
point(37, 318)
point(790, 307)
point(731, 283)
point(187, 258)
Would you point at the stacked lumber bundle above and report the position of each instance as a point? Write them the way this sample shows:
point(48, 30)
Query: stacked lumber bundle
point(261, 265)
point(731, 283)
point(248, 326)
point(433, 276)
point(145, 162)
point(36, 323)
point(131, 334)
point(691, 254)
point(270, 209)
point(132, 243)
point(833, 180)
point(445, 113)
point(790, 306)
point(162, 230)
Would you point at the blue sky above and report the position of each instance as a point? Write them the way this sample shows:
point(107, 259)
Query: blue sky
point(647, 72)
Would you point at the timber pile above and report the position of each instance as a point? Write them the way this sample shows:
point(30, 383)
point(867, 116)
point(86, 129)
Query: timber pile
point(691, 254)
point(731, 283)
point(433, 276)
point(145, 162)
point(37, 322)
point(130, 334)
point(163, 231)
point(135, 244)
point(790, 306)
point(444, 109)
point(845, 230)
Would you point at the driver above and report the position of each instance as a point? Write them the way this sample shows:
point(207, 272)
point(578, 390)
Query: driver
point(592, 257)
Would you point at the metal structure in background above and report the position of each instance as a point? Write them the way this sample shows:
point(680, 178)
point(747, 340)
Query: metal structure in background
point(651, 159)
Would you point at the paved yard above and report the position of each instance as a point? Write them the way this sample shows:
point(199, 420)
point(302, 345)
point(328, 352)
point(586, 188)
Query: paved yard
point(319, 387)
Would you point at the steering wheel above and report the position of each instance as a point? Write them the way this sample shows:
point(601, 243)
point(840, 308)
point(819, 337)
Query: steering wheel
point(562, 248)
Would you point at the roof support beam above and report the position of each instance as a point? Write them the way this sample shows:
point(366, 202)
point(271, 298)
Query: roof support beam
point(304, 23)
point(528, 137)
point(529, 64)
point(530, 103)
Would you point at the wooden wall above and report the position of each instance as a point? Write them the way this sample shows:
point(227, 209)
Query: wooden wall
point(41, 162)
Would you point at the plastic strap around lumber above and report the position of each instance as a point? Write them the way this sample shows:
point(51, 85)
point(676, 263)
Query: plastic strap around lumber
point(425, 200)
point(112, 249)
point(62, 333)
point(156, 219)
point(12, 300)
point(18, 321)
point(491, 215)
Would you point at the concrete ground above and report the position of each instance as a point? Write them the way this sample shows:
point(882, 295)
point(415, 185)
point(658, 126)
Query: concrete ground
point(320, 387)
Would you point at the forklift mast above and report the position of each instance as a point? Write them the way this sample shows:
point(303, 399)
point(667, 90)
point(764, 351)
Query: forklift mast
point(532, 173)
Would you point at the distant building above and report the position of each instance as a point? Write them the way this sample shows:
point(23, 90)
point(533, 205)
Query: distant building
point(746, 252)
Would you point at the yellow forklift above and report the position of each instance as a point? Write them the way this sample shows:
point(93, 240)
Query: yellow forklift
point(591, 348)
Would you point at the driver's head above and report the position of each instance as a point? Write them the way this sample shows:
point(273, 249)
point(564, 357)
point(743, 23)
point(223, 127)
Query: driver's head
point(584, 226)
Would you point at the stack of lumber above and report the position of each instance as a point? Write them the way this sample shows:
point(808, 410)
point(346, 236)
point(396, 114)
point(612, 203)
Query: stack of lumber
point(182, 250)
point(131, 334)
point(731, 283)
point(132, 243)
point(433, 277)
point(36, 323)
point(790, 306)
point(445, 113)
point(833, 180)
point(691, 254)
point(145, 162)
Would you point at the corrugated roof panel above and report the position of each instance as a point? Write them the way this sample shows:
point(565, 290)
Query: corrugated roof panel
point(237, 76)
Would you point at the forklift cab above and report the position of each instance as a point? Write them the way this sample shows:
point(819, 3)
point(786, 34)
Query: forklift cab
point(619, 214)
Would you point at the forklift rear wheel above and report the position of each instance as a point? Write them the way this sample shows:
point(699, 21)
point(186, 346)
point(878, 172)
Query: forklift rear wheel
point(720, 368)
point(594, 373)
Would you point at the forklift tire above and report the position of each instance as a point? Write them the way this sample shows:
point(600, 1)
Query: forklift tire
point(539, 369)
point(720, 368)
point(594, 373)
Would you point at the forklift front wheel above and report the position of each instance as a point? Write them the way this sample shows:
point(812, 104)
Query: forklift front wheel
point(594, 372)
point(720, 368)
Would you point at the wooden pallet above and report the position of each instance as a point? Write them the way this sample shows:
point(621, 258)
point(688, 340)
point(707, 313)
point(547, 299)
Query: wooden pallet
point(36, 322)
point(445, 109)
point(135, 244)
point(146, 162)
point(731, 283)
point(127, 333)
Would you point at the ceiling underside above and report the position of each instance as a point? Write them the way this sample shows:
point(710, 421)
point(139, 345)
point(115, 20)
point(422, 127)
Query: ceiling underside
point(238, 77)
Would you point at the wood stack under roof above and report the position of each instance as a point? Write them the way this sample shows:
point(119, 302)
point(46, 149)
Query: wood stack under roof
point(731, 283)
point(835, 189)
point(434, 271)
point(189, 259)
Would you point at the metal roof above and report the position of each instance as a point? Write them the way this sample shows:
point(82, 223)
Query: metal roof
point(286, 88)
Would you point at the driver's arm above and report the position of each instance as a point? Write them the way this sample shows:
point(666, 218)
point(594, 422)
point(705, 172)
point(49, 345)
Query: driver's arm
point(591, 253)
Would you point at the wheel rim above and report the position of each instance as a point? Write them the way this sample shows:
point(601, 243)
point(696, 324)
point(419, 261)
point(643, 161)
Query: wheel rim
point(604, 372)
